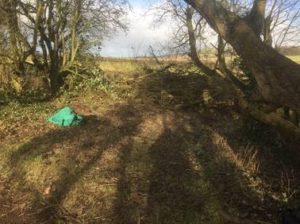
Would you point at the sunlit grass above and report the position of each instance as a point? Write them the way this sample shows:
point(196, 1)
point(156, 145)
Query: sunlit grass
point(133, 66)
point(124, 66)
point(295, 58)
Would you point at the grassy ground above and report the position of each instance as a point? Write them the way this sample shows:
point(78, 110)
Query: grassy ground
point(295, 58)
point(157, 146)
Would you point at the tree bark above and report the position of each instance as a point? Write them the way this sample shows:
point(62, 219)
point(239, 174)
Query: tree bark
point(223, 68)
point(272, 119)
point(267, 33)
point(53, 76)
point(13, 29)
point(193, 44)
point(278, 77)
point(256, 16)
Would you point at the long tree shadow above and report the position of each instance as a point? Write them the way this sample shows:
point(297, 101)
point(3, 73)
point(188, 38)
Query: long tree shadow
point(274, 155)
point(80, 148)
point(176, 191)
point(123, 210)
point(230, 181)
point(237, 174)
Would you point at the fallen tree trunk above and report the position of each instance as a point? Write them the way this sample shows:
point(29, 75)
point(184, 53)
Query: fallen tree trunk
point(271, 119)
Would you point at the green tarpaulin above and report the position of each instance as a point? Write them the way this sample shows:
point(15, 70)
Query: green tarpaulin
point(66, 117)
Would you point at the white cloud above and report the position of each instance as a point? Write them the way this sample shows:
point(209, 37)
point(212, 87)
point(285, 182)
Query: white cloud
point(140, 36)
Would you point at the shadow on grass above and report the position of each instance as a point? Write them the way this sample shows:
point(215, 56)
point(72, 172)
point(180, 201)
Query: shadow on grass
point(186, 178)
point(83, 147)
point(178, 193)
point(189, 180)
point(172, 190)
point(249, 197)
point(277, 157)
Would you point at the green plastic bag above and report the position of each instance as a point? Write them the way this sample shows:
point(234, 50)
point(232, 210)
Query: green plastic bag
point(66, 117)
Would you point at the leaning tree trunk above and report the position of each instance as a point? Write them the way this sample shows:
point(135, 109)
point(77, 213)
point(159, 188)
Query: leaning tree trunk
point(223, 68)
point(256, 17)
point(267, 33)
point(278, 77)
point(193, 44)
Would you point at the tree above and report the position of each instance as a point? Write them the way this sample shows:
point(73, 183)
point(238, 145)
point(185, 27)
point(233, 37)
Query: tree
point(277, 76)
point(189, 31)
point(256, 17)
point(281, 24)
point(51, 33)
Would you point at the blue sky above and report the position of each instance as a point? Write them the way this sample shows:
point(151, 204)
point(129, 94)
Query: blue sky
point(141, 33)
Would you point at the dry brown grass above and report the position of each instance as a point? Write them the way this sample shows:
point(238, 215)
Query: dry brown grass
point(248, 159)
point(159, 153)
point(295, 58)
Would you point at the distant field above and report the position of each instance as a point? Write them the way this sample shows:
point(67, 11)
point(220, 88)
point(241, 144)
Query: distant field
point(130, 66)
point(134, 65)
point(295, 58)
point(212, 59)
